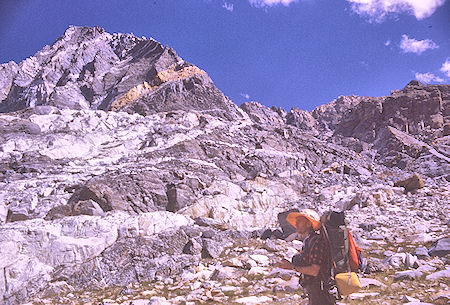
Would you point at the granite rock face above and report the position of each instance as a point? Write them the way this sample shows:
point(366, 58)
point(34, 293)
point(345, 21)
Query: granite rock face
point(331, 114)
point(87, 68)
point(408, 126)
point(121, 163)
point(86, 250)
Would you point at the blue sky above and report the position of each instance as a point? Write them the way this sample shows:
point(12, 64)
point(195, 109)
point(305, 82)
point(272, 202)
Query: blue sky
point(288, 53)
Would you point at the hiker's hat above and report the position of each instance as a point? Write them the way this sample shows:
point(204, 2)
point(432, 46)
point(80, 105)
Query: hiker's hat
point(309, 214)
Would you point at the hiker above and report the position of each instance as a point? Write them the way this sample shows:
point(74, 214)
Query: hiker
point(312, 262)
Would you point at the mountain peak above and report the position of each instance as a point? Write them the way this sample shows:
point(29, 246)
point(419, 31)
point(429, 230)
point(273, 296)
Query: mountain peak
point(89, 68)
point(414, 84)
point(83, 30)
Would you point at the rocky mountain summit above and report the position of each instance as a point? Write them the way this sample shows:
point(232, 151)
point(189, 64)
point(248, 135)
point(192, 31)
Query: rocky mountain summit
point(127, 177)
point(87, 68)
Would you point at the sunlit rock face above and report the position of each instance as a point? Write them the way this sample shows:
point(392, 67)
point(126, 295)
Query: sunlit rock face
point(87, 68)
point(121, 163)
point(408, 129)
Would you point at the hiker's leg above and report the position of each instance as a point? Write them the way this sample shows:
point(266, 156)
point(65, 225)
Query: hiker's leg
point(327, 297)
point(317, 296)
point(314, 294)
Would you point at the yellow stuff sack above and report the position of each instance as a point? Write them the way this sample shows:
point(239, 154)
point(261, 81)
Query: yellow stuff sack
point(347, 283)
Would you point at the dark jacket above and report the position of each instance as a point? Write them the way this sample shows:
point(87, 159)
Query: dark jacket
point(315, 251)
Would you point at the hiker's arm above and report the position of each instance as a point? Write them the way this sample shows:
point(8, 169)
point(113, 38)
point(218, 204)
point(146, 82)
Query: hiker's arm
point(309, 270)
point(285, 264)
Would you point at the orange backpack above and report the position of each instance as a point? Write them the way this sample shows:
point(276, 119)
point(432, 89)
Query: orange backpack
point(354, 253)
point(344, 253)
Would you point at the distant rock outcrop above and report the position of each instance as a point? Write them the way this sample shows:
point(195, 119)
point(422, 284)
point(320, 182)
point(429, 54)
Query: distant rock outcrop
point(260, 114)
point(406, 126)
point(328, 116)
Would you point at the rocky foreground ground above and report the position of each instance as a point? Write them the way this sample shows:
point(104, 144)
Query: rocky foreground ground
point(398, 270)
point(397, 231)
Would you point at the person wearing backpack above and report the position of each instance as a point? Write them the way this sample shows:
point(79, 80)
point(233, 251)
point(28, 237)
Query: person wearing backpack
point(345, 255)
point(313, 261)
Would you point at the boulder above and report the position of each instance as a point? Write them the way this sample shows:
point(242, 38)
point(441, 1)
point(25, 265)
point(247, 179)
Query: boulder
point(225, 273)
point(368, 226)
point(440, 248)
point(288, 286)
point(13, 216)
point(411, 183)
point(18, 126)
point(362, 295)
point(153, 301)
point(272, 246)
point(274, 234)
point(374, 265)
point(193, 247)
point(410, 275)
point(443, 274)
point(208, 222)
point(212, 248)
point(284, 274)
point(408, 299)
point(399, 260)
point(3, 212)
point(421, 252)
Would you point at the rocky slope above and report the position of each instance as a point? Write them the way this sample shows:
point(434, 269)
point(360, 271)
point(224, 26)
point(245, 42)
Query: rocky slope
point(126, 176)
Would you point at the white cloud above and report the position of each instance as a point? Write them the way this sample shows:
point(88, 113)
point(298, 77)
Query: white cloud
point(245, 95)
point(387, 43)
point(410, 45)
point(378, 10)
point(446, 67)
point(266, 3)
point(228, 6)
point(428, 78)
